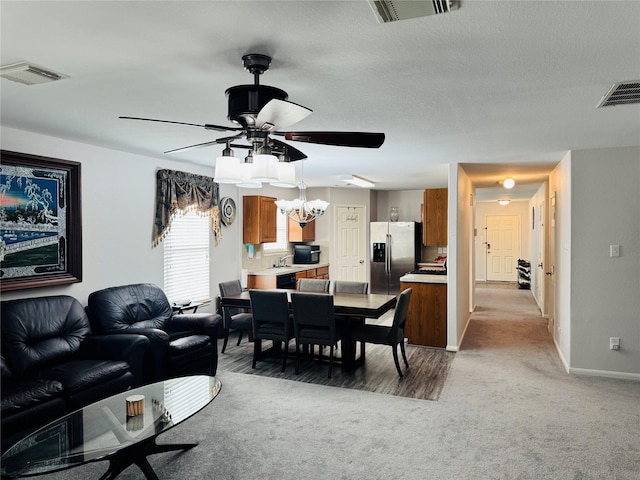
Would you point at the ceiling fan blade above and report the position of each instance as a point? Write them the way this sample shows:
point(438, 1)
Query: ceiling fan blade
point(340, 139)
point(217, 141)
point(191, 147)
point(277, 114)
point(207, 126)
point(294, 153)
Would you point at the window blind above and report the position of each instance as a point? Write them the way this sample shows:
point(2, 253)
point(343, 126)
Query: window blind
point(186, 258)
point(281, 234)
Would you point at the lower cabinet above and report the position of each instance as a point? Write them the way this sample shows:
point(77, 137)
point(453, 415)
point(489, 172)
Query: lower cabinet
point(320, 272)
point(271, 281)
point(427, 316)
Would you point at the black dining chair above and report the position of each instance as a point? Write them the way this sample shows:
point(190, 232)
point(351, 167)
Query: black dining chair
point(271, 321)
point(313, 285)
point(385, 335)
point(233, 318)
point(314, 323)
point(345, 286)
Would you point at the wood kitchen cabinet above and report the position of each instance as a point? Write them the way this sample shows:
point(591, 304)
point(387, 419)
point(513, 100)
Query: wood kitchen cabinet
point(320, 272)
point(427, 315)
point(299, 234)
point(271, 281)
point(258, 219)
point(435, 211)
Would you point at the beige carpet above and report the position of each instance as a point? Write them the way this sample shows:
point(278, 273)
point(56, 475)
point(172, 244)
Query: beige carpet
point(508, 411)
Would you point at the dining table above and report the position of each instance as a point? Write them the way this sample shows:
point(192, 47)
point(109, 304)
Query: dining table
point(351, 309)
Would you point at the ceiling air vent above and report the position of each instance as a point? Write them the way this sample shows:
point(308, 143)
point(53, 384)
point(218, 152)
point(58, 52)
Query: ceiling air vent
point(29, 74)
point(623, 93)
point(394, 10)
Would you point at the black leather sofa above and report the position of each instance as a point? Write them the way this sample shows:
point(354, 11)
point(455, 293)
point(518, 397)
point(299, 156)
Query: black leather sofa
point(180, 344)
point(52, 364)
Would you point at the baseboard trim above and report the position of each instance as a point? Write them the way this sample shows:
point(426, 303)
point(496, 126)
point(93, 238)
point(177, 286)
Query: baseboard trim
point(567, 368)
point(605, 373)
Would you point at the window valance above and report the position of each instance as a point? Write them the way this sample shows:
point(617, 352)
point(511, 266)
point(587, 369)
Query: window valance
point(178, 192)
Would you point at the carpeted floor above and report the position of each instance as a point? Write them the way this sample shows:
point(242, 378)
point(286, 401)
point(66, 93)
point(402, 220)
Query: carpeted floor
point(508, 411)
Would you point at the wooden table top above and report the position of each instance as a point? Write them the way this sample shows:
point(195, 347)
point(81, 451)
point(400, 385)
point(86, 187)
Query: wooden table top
point(371, 305)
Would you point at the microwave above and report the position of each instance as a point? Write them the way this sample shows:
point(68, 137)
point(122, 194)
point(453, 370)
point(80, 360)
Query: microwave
point(306, 254)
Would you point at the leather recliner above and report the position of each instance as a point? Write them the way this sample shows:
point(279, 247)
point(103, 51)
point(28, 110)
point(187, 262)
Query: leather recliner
point(181, 344)
point(51, 363)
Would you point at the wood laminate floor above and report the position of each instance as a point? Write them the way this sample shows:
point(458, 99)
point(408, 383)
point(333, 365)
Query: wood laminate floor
point(424, 379)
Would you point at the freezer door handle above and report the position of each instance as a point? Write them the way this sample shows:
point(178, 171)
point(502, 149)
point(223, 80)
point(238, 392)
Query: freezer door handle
point(387, 264)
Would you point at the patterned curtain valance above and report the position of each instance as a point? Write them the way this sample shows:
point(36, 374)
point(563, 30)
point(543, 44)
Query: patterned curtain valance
point(178, 192)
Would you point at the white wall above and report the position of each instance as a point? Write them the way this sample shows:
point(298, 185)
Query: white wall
point(605, 291)
point(118, 192)
point(516, 207)
point(407, 201)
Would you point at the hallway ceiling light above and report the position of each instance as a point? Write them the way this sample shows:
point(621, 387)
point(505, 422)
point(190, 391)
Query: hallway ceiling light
point(508, 183)
point(504, 202)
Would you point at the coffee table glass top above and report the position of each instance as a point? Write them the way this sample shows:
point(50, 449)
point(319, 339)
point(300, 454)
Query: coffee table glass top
point(101, 429)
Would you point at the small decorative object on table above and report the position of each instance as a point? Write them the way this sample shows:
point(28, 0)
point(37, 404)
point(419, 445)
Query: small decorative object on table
point(135, 405)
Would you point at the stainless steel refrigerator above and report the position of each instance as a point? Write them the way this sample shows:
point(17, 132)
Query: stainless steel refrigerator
point(395, 250)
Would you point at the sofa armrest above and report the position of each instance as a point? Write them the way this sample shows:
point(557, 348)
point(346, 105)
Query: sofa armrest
point(129, 348)
point(201, 323)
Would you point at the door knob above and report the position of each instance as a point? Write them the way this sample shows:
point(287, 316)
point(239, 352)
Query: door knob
point(548, 273)
point(540, 265)
point(361, 261)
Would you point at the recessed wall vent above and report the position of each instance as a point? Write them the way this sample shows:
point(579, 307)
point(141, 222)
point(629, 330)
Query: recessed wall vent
point(29, 74)
point(623, 93)
point(393, 10)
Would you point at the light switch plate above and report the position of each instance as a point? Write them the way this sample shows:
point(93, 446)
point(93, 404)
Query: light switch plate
point(614, 250)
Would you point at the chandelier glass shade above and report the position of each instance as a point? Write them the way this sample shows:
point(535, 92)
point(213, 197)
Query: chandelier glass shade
point(301, 210)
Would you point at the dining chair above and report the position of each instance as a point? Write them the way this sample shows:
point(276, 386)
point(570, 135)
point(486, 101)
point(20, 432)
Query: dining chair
point(385, 335)
point(314, 323)
point(313, 285)
point(271, 321)
point(234, 318)
point(344, 286)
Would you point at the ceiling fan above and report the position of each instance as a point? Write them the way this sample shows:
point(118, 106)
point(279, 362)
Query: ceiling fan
point(260, 111)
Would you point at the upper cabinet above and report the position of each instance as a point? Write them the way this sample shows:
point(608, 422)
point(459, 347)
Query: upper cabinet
point(434, 232)
point(258, 219)
point(300, 234)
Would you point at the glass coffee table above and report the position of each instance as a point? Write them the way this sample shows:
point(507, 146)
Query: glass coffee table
point(104, 430)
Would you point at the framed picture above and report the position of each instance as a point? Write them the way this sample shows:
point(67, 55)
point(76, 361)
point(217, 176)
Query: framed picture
point(40, 221)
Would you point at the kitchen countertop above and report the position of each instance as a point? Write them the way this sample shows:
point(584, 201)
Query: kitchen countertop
point(286, 269)
point(423, 278)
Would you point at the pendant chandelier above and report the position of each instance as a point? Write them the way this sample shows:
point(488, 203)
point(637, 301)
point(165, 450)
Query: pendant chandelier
point(301, 210)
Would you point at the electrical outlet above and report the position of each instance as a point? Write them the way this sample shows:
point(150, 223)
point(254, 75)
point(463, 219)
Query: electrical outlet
point(614, 343)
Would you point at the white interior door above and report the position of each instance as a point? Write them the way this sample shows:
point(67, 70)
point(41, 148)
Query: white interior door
point(503, 247)
point(349, 262)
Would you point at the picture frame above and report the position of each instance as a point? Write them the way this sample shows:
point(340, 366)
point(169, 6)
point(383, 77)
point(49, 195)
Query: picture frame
point(40, 221)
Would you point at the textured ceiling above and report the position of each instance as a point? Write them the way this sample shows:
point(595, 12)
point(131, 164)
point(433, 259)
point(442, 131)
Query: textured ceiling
point(501, 87)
